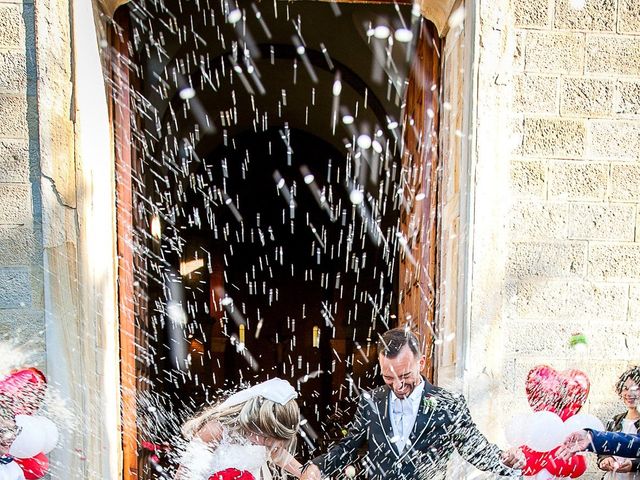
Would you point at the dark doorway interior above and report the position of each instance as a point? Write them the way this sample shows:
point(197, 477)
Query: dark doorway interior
point(264, 225)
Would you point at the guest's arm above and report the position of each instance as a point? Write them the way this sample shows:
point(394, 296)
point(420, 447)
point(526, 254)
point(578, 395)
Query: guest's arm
point(613, 443)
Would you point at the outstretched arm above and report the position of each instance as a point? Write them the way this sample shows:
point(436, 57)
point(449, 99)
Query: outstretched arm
point(344, 452)
point(476, 449)
point(612, 443)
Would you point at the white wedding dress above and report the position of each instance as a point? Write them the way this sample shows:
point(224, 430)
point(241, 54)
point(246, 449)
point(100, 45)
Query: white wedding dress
point(199, 461)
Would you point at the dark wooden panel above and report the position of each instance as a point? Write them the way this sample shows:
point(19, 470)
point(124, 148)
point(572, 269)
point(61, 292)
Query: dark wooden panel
point(418, 217)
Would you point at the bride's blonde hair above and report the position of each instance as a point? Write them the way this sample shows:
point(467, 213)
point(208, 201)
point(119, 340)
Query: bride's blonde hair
point(257, 416)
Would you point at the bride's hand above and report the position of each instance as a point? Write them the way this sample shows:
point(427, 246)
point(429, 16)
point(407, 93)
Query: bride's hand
point(607, 464)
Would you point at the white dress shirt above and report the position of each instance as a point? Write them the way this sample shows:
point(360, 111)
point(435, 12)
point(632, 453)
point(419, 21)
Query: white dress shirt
point(403, 414)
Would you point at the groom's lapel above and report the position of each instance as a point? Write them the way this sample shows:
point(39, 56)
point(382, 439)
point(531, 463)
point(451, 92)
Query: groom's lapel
point(384, 417)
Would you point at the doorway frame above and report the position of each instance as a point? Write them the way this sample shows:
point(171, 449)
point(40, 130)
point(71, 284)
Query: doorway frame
point(418, 300)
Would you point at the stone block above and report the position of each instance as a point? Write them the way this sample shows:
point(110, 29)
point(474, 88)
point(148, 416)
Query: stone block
point(595, 15)
point(518, 54)
point(611, 340)
point(12, 31)
point(532, 13)
point(22, 336)
point(548, 137)
point(586, 96)
point(540, 221)
point(515, 139)
point(13, 71)
point(634, 303)
point(15, 288)
point(535, 94)
point(19, 246)
point(577, 301)
point(16, 204)
point(561, 52)
point(614, 261)
point(603, 374)
point(596, 221)
point(613, 139)
point(626, 98)
point(572, 180)
point(628, 16)
point(613, 54)
point(546, 259)
point(13, 116)
point(528, 177)
point(14, 161)
point(625, 182)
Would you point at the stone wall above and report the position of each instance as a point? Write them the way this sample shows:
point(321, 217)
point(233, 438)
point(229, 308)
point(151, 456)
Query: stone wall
point(556, 248)
point(58, 307)
point(21, 278)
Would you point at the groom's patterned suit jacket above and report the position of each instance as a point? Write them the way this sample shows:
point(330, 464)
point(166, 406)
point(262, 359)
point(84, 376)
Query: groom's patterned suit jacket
point(443, 424)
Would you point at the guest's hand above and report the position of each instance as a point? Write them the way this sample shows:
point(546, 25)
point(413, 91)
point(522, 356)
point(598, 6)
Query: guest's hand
point(608, 464)
point(513, 458)
point(574, 443)
point(312, 472)
point(624, 465)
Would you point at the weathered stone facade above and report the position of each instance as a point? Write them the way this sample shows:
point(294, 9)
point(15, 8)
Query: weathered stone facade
point(555, 230)
point(57, 224)
point(21, 277)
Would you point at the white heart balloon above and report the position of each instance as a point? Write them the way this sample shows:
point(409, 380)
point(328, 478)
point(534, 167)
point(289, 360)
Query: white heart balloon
point(516, 431)
point(546, 431)
point(580, 421)
point(30, 441)
point(544, 475)
point(49, 431)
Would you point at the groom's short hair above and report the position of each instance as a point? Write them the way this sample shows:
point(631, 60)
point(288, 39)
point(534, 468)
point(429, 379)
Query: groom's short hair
point(392, 341)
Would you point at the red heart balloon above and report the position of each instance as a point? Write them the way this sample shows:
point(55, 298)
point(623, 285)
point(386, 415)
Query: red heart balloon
point(562, 393)
point(574, 467)
point(232, 474)
point(533, 463)
point(34, 467)
point(24, 390)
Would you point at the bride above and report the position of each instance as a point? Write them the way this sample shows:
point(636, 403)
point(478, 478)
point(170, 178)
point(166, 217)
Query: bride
point(242, 434)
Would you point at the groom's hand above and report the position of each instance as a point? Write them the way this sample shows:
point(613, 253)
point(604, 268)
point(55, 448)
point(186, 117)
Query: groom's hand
point(513, 458)
point(312, 472)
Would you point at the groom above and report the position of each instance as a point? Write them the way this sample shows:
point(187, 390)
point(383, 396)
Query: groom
point(411, 427)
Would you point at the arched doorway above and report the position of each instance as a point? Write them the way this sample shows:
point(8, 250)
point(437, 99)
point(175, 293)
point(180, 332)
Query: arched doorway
point(266, 198)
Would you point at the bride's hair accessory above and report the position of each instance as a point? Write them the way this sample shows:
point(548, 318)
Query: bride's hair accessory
point(277, 390)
